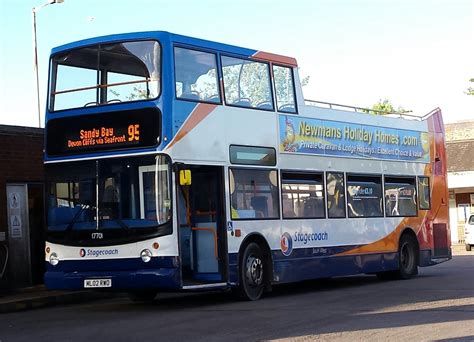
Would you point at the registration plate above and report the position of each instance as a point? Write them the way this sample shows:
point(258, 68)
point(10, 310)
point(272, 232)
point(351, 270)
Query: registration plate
point(88, 283)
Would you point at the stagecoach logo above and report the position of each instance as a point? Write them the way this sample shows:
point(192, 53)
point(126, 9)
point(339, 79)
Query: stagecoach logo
point(82, 252)
point(286, 244)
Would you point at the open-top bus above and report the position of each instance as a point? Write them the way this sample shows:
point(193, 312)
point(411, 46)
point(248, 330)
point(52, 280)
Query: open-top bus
point(175, 163)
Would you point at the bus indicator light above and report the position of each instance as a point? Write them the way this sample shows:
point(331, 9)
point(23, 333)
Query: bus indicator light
point(156, 245)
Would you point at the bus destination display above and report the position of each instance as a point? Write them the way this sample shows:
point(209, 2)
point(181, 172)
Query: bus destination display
point(106, 136)
point(103, 132)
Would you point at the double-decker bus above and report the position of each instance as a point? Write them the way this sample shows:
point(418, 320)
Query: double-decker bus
point(175, 163)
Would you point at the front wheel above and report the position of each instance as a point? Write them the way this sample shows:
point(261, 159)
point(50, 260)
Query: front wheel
point(252, 274)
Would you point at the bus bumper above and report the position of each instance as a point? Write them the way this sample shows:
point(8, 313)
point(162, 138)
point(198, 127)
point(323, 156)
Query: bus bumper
point(427, 258)
point(124, 274)
point(164, 278)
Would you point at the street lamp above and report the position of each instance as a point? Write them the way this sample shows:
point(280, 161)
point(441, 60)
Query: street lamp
point(35, 48)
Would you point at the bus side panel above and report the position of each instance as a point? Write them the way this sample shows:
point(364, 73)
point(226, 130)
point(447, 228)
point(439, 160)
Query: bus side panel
point(297, 268)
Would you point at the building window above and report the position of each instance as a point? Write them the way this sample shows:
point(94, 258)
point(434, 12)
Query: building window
point(424, 198)
point(196, 75)
point(284, 88)
point(254, 194)
point(364, 196)
point(400, 196)
point(247, 83)
point(302, 195)
point(252, 155)
point(336, 199)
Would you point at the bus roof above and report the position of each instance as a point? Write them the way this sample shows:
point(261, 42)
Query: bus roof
point(180, 39)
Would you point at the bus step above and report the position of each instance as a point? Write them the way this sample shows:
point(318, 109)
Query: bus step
point(205, 286)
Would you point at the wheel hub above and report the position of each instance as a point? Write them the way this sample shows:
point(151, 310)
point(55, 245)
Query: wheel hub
point(254, 271)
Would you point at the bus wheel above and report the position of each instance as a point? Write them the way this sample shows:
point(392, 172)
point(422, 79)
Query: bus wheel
point(252, 273)
point(142, 296)
point(407, 257)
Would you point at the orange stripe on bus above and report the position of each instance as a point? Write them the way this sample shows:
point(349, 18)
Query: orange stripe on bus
point(200, 112)
point(266, 56)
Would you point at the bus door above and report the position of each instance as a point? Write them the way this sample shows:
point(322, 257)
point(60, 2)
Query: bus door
point(201, 220)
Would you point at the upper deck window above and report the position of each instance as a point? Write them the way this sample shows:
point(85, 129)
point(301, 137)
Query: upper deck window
point(105, 73)
point(247, 83)
point(285, 89)
point(196, 75)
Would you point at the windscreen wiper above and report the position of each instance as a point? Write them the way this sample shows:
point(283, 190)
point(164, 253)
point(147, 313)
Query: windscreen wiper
point(77, 215)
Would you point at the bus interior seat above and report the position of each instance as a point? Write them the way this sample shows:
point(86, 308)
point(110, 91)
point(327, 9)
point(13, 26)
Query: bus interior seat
point(287, 108)
point(242, 102)
point(192, 95)
point(265, 105)
point(259, 204)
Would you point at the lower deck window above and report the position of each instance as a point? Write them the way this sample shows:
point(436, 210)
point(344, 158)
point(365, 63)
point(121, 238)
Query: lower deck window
point(303, 195)
point(254, 194)
point(364, 196)
point(400, 196)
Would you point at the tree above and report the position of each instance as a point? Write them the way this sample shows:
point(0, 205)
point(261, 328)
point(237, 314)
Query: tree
point(385, 106)
point(470, 90)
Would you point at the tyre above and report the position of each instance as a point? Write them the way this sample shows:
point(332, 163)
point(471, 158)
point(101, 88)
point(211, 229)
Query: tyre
point(252, 277)
point(468, 247)
point(142, 296)
point(407, 260)
point(407, 257)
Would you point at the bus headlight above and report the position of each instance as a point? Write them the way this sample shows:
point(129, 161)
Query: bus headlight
point(146, 255)
point(53, 259)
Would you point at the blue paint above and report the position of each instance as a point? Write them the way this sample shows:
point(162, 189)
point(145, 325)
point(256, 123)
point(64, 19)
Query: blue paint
point(174, 111)
point(159, 273)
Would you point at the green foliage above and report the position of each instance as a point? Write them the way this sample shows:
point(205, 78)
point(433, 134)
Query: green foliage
point(385, 106)
point(470, 90)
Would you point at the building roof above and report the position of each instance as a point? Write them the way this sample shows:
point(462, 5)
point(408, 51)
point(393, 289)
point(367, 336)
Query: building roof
point(461, 130)
point(20, 130)
point(460, 155)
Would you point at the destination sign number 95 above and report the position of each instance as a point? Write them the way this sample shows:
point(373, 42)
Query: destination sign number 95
point(134, 132)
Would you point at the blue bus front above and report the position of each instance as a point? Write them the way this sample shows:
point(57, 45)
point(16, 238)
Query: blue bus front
point(108, 188)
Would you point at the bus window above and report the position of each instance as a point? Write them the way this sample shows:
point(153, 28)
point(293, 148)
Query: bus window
point(247, 83)
point(104, 74)
point(254, 194)
point(196, 75)
point(400, 197)
point(335, 195)
point(303, 195)
point(252, 155)
point(364, 196)
point(285, 90)
point(424, 199)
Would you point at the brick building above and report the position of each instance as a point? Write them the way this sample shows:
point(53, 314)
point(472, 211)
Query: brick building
point(21, 205)
point(460, 151)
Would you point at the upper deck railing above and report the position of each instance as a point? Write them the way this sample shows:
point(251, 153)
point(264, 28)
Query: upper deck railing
point(402, 115)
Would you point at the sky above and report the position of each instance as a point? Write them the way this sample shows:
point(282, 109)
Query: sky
point(419, 54)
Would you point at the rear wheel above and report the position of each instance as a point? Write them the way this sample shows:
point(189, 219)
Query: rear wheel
point(252, 277)
point(142, 296)
point(468, 247)
point(407, 260)
point(407, 257)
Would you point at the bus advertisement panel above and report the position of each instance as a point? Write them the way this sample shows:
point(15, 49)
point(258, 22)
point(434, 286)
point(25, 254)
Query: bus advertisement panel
point(344, 139)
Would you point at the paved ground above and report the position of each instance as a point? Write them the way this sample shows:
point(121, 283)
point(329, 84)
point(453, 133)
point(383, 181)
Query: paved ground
point(438, 305)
